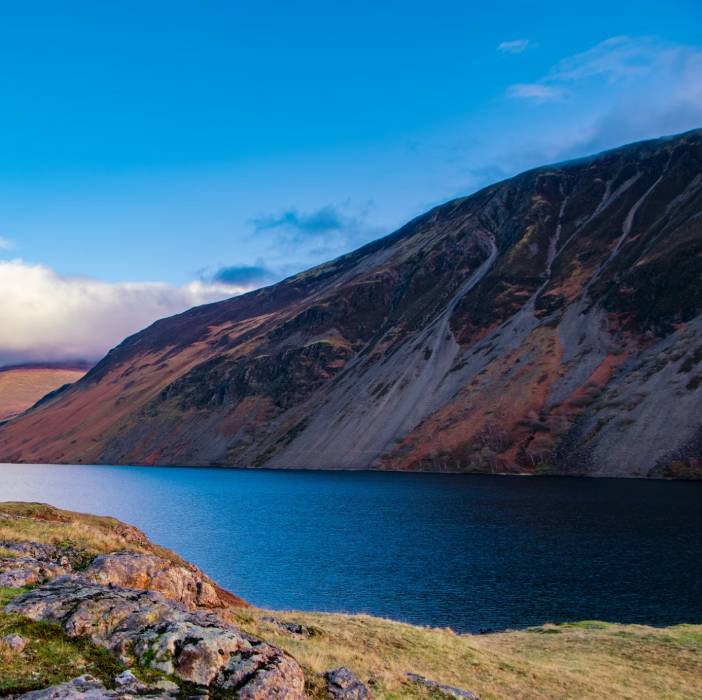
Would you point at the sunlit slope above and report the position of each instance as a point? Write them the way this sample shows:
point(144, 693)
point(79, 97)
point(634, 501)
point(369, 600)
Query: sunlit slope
point(22, 387)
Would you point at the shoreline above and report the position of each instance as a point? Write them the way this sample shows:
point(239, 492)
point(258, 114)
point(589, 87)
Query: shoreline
point(361, 470)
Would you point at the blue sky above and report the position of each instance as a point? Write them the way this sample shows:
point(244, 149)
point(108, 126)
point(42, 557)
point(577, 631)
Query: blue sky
point(229, 143)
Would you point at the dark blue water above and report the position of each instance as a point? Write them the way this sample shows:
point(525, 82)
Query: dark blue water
point(467, 552)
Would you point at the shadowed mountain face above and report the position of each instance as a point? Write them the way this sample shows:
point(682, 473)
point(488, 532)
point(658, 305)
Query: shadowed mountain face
point(551, 323)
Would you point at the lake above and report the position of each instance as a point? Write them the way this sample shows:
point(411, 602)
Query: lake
point(468, 552)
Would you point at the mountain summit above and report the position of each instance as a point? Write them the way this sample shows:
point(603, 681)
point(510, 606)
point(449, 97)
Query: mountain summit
point(551, 323)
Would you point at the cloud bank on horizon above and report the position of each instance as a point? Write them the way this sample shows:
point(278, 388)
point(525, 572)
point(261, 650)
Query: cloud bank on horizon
point(48, 317)
point(621, 89)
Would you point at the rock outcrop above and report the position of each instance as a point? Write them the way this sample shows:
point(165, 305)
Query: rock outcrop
point(185, 584)
point(143, 626)
point(30, 563)
point(550, 323)
point(344, 684)
point(88, 688)
point(447, 690)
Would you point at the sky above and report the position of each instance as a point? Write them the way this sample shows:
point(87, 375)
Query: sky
point(163, 154)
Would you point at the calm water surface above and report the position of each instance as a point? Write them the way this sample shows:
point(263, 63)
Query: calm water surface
point(468, 552)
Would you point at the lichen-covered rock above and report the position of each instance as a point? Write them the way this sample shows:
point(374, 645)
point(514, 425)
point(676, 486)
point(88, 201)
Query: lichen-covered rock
point(126, 678)
point(15, 573)
point(30, 563)
point(142, 625)
point(89, 688)
point(186, 584)
point(83, 688)
point(447, 690)
point(167, 686)
point(344, 684)
point(37, 550)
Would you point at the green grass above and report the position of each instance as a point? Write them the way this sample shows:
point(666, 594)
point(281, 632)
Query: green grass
point(50, 656)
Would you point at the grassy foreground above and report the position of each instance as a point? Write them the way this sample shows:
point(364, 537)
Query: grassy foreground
point(577, 660)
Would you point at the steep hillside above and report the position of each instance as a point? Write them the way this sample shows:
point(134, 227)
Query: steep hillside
point(22, 387)
point(551, 323)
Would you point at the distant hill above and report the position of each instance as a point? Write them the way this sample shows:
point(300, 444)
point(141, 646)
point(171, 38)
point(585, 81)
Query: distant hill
point(550, 323)
point(22, 386)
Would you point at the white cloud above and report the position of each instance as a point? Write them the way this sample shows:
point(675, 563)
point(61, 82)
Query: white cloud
point(46, 316)
point(515, 46)
point(6, 243)
point(536, 92)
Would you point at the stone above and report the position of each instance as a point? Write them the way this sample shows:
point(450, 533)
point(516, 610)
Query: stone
point(32, 563)
point(62, 556)
point(129, 682)
point(291, 627)
point(344, 684)
point(88, 688)
point(167, 686)
point(186, 584)
point(84, 687)
point(448, 690)
point(15, 642)
point(143, 626)
point(126, 678)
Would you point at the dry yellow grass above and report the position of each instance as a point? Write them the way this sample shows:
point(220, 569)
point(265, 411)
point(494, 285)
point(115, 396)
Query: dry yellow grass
point(95, 534)
point(580, 660)
point(22, 387)
point(585, 660)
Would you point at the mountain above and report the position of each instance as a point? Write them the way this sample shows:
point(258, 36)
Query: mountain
point(550, 323)
point(22, 386)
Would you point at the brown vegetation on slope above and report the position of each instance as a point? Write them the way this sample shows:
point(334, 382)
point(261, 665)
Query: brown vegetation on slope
point(22, 387)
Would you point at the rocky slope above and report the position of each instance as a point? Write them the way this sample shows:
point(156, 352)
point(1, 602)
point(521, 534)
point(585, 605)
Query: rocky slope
point(550, 323)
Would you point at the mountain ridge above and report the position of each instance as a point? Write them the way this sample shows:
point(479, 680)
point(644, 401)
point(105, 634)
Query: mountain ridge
point(549, 323)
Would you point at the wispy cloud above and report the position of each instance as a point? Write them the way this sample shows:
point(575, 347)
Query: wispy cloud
point(292, 239)
point(515, 46)
point(616, 58)
point(322, 220)
point(536, 92)
point(619, 59)
point(47, 316)
point(653, 89)
point(619, 90)
point(6, 243)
